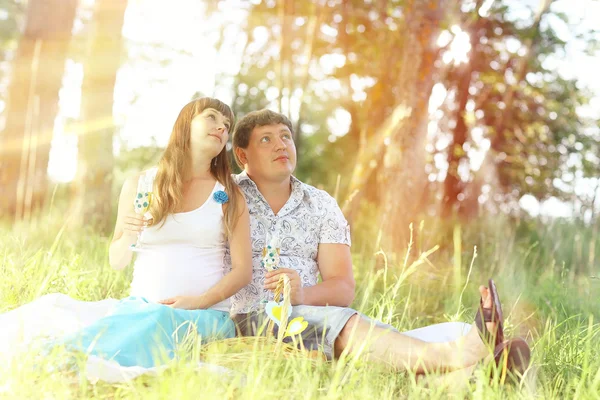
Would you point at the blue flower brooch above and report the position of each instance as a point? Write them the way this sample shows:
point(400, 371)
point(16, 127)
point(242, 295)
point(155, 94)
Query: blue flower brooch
point(220, 197)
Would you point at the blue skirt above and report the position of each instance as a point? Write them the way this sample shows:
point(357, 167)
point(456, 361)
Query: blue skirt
point(140, 333)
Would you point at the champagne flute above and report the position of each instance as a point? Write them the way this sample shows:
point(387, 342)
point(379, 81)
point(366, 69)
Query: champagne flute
point(141, 206)
point(270, 259)
point(271, 252)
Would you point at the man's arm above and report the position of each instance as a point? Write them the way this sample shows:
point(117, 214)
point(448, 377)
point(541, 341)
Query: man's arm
point(337, 287)
point(334, 262)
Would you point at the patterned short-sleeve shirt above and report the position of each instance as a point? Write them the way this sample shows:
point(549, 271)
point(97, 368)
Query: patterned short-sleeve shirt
point(309, 217)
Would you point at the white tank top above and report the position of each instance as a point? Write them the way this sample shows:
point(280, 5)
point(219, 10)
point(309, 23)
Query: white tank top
point(183, 257)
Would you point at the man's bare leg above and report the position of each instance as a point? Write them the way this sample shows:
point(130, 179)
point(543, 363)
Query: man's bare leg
point(403, 352)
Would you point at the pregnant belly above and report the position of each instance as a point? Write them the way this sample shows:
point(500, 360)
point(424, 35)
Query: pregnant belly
point(160, 275)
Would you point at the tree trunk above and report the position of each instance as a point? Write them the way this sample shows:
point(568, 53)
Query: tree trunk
point(95, 156)
point(371, 148)
point(455, 151)
point(452, 184)
point(284, 43)
point(403, 181)
point(32, 106)
point(314, 23)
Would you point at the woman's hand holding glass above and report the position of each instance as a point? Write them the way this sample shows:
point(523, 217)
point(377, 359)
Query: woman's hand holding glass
point(141, 206)
point(133, 225)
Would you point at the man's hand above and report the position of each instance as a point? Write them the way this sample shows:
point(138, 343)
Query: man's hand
point(184, 302)
point(297, 292)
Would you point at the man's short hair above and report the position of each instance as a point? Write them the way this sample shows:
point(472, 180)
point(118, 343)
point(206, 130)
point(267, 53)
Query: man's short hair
point(245, 126)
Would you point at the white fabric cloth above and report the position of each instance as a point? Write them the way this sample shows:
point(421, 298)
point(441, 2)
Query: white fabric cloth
point(440, 333)
point(52, 315)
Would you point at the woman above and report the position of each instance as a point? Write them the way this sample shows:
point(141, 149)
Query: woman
point(178, 282)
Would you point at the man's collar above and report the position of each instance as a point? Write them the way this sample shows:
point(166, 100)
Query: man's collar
point(243, 177)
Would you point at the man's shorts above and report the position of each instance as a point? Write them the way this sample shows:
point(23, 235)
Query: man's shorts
point(326, 323)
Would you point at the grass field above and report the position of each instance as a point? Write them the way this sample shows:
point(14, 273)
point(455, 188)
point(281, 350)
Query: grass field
point(546, 275)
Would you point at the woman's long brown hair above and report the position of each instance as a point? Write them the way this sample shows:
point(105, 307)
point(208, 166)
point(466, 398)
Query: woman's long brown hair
point(174, 167)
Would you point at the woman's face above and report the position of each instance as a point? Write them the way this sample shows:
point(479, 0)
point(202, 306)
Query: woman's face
point(209, 132)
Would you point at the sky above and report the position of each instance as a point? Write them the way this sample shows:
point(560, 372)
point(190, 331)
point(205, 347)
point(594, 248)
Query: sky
point(194, 65)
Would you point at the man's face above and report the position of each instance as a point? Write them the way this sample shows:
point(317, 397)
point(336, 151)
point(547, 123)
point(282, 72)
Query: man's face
point(271, 153)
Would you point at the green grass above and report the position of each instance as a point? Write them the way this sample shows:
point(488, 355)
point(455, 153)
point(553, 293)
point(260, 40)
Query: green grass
point(545, 278)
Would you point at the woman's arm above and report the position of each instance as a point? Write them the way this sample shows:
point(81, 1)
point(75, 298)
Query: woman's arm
point(127, 227)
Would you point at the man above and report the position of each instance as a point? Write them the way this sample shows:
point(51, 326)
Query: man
point(315, 239)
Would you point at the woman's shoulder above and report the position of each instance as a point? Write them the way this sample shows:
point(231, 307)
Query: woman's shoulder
point(148, 174)
point(132, 181)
